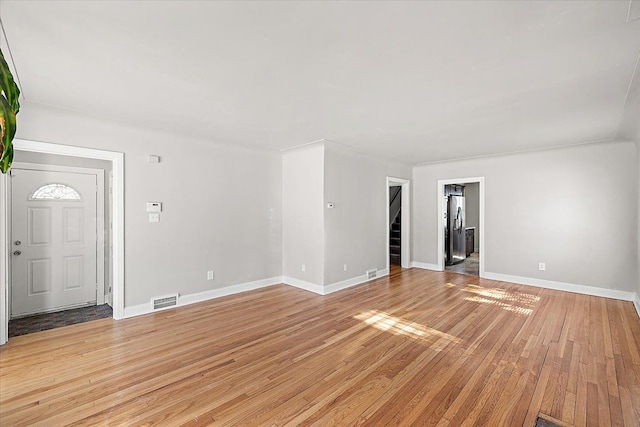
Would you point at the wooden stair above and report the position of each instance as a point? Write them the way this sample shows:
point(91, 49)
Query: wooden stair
point(395, 241)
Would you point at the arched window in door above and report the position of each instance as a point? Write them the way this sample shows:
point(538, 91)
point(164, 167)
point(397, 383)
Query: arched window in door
point(55, 191)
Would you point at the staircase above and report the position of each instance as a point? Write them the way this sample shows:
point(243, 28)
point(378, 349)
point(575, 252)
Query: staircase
point(394, 241)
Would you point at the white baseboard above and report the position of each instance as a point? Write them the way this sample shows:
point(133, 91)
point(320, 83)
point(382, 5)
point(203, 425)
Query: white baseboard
point(307, 286)
point(425, 266)
point(137, 310)
point(140, 309)
point(561, 286)
point(334, 287)
point(354, 281)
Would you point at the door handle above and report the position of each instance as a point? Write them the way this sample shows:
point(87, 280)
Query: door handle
point(17, 253)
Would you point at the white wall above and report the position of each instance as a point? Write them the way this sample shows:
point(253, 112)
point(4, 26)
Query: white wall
point(638, 217)
point(573, 208)
point(355, 230)
point(221, 204)
point(472, 210)
point(637, 139)
point(629, 130)
point(303, 214)
point(351, 233)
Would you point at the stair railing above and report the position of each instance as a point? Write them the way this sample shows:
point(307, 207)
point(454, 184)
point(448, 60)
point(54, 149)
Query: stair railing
point(394, 204)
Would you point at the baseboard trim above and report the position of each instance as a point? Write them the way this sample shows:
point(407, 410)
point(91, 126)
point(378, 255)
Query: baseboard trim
point(140, 309)
point(137, 310)
point(425, 266)
point(561, 286)
point(354, 281)
point(229, 290)
point(301, 284)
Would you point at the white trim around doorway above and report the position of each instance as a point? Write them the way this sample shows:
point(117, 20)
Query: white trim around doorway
point(117, 232)
point(100, 217)
point(441, 184)
point(405, 220)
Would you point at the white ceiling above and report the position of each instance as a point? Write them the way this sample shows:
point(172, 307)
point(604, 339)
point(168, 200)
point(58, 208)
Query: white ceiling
point(416, 81)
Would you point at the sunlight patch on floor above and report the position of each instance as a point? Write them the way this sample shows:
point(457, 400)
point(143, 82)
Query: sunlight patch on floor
point(395, 325)
point(504, 306)
point(515, 302)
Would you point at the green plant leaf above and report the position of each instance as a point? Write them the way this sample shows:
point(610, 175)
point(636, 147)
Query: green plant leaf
point(8, 85)
point(9, 107)
point(7, 132)
point(7, 158)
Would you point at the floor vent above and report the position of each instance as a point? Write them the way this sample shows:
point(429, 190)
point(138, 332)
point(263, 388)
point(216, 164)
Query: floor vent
point(372, 273)
point(548, 421)
point(163, 302)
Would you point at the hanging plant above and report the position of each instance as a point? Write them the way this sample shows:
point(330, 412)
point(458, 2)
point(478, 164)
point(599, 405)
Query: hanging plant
point(9, 107)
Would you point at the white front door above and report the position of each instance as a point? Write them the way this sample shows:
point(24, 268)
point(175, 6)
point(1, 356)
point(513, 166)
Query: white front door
point(54, 240)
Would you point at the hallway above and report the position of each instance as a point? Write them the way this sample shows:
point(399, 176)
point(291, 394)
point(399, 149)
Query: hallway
point(471, 265)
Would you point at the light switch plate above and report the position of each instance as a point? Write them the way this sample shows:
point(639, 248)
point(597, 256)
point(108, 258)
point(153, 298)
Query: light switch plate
point(154, 206)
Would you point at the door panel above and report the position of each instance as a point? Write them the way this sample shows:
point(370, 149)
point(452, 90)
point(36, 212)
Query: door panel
point(39, 276)
point(73, 226)
point(54, 232)
point(39, 226)
point(73, 272)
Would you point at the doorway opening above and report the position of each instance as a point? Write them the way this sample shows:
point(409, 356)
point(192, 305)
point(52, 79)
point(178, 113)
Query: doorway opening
point(398, 243)
point(59, 241)
point(461, 225)
point(395, 226)
point(116, 233)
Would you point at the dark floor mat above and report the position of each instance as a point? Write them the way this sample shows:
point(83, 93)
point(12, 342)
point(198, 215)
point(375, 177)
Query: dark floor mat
point(42, 322)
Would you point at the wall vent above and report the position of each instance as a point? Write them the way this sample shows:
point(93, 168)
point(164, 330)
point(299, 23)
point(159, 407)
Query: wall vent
point(372, 273)
point(164, 302)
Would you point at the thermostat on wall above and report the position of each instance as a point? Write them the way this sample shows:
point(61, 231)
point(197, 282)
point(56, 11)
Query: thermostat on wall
point(154, 206)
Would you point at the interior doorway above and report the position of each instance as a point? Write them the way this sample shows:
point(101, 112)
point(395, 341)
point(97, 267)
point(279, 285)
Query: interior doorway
point(57, 238)
point(462, 228)
point(116, 273)
point(461, 225)
point(395, 226)
point(398, 235)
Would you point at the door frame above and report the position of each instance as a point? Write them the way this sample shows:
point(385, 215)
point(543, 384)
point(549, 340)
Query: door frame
point(117, 231)
point(440, 205)
point(405, 220)
point(100, 220)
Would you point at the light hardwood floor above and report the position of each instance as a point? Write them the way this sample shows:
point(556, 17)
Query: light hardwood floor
point(416, 348)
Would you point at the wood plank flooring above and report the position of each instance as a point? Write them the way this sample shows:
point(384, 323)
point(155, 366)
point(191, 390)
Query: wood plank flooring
point(415, 348)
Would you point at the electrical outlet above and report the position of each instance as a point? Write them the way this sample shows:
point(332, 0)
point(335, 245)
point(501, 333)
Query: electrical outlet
point(304, 267)
point(345, 267)
point(154, 217)
point(542, 266)
point(211, 275)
